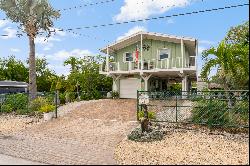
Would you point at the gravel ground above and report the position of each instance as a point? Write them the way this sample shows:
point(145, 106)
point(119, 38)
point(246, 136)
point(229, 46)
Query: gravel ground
point(10, 124)
point(181, 146)
point(86, 134)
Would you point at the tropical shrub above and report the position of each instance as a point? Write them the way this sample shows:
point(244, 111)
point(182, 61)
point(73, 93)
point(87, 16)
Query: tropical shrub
point(47, 108)
point(154, 135)
point(241, 113)
point(24, 112)
point(151, 115)
point(115, 95)
point(62, 98)
point(15, 102)
point(6, 108)
point(36, 104)
point(210, 112)
point(70, 97)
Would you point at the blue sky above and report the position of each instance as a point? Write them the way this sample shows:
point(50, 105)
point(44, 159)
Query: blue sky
point(209, 28)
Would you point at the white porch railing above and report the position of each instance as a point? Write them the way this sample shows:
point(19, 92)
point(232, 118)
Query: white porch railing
point(148, 64)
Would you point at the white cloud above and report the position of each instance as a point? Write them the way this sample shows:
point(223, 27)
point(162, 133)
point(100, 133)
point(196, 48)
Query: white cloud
point(63, 55)
point(60, 69)
point(9, 32)
point(15, 50)
point(3, 23)
point(142, 9)
point(132, 31)
point(56, 60)
point(48, 43)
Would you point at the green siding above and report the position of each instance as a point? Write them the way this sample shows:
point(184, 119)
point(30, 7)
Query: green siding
point(152, 55)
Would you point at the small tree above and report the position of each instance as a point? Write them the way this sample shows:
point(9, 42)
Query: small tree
point(32, 16)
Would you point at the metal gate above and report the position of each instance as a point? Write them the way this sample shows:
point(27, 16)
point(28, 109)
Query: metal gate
point(213, 108)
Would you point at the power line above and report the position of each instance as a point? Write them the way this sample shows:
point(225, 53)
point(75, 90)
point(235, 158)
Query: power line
point(150, 19)
point(161, 17)
point(85, 5)
point(108, 1)
point(81, 6)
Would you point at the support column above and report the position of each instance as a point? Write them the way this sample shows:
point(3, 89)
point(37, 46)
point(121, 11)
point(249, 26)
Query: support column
point(141, 55)
point(196, 52)
point(115, 82)
point(182, 53)
point(184, 86)
point(146, 78)
point(107, 59)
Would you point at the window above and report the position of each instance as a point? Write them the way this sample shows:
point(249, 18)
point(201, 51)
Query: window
point(164, 54)
point(128, 57)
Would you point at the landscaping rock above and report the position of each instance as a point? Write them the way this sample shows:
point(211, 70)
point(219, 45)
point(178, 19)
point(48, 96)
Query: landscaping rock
point(186, 146)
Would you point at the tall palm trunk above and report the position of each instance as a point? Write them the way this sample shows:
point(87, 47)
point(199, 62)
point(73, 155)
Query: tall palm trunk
point(32, 70)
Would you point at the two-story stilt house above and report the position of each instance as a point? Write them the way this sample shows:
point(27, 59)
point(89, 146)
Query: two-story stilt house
point(151, 62)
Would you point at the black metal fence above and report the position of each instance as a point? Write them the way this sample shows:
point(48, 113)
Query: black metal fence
point(212, 108)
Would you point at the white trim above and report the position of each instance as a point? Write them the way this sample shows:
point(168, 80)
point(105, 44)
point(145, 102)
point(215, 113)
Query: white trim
point(151, 34)
point(107, 59)
point(141, 54)
point(182, 53)
point(158, 54)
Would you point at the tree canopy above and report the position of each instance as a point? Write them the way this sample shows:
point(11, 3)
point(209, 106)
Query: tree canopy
point(32, 17)
point(231, 57)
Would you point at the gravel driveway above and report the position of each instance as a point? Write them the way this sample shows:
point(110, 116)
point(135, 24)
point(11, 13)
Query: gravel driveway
point(87, 134)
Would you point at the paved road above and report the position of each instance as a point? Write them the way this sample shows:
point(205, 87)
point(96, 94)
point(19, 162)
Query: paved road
point(8, 160)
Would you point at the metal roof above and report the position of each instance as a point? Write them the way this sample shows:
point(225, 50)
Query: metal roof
point(136, 37)
point(13, 84)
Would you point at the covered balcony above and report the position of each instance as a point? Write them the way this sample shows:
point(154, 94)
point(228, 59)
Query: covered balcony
point(149, 65)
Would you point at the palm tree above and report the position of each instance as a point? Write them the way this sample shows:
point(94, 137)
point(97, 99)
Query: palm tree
point(32, 16)
point(223, 60)
point(73, 62)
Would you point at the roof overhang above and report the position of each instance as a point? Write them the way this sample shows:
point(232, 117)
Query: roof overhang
point(13, 84)
point(188, 41)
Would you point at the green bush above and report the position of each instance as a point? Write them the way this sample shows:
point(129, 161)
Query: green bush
point(84, 96)
point(115, 95)
point(50, 97)
point(96, 94)
point(6, 108)
point(70, 96)
point(23, 112)
point(93, 95)
point(62, 98)
point(211, 112)
point(15, 102)
point(36, 104)
point(154, 135)
point(151, 115)
point(47, 108)
point(241, 113)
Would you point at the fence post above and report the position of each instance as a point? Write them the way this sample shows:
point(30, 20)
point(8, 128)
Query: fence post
point(56, 94)
point(176, 105)
point(137, 106)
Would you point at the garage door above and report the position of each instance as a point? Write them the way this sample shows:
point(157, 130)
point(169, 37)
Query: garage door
point(129, 87)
